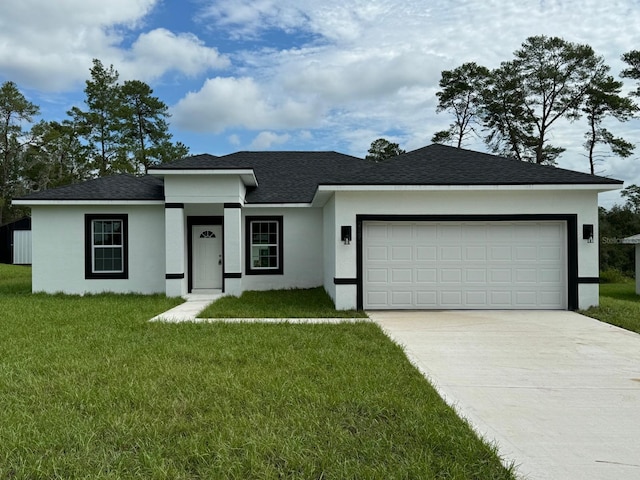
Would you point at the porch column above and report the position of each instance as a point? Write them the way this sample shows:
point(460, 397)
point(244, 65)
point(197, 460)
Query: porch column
point(176, 281)
point(233, 248)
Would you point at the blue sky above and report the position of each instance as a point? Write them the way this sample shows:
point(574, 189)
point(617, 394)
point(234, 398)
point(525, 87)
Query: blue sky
point(301, 74)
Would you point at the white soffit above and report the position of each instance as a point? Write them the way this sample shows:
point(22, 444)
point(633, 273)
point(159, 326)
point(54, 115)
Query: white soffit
point(247, 175)
point(87, 202)
point(439, 188)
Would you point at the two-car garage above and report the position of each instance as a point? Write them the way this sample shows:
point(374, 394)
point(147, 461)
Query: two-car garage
point(464, 264)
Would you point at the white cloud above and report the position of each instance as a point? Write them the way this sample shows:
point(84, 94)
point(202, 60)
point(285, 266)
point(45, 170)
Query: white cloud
point(225, 102)
point(266, 140)
point(248, 17)
point(49, 45)
point(160, 50)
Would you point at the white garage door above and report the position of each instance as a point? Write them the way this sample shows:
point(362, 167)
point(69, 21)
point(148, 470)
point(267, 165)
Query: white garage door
point(464, 265)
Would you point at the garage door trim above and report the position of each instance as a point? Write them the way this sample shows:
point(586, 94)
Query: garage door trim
point(572, 242)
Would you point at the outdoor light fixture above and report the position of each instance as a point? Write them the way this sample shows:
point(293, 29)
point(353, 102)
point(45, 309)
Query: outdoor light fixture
point(587, 232)
point(345, 234)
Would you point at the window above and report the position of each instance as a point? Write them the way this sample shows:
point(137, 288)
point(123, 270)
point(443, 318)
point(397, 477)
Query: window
point(106, 254)
point(264, 245)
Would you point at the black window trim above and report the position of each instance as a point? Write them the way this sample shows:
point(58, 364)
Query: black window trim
point(89, 274)
point(249, 270)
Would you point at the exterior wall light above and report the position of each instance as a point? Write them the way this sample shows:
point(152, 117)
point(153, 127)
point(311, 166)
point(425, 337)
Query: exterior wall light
point(345, 234)
point(587, 232)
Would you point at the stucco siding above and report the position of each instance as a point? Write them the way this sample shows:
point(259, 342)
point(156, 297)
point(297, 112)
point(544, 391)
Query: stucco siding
point(329, 244)
point(59, 250)
point(303, 250)
point(203, 189)
point(447, 203)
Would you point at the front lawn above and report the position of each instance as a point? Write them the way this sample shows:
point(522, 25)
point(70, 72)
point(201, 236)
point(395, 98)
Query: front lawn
point(89, 388)
point(619, 305)
point(294, 303)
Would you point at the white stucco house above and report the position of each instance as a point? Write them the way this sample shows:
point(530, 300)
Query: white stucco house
point(435, 228)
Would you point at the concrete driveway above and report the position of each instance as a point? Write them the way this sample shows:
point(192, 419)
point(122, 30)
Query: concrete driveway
point(558, 392)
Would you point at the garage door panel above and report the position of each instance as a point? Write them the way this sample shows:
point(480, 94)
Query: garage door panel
point(451, 299)
point(376, 254)
point(526, 299)
point(378, 299)
point(426, 233)
point(550, 299)
point(501, 298)
point(377, 231)
point(526, 254)
point(475, 275)
point(552, 275)
point(426, 275)
point(450, 253)
point(464, 265)
point(402, 275)
point(377, 275)
point(426, 254)
point(500, 275)
point(449, 233)
point(526, 275)
point(500, 253)
point(451, 275)
point(474, 234)
point(426, 299)
point(476, 253)
point(401, 232)
point(402, 253)
point(550, 253)
point(402, 299)
point(476, 299)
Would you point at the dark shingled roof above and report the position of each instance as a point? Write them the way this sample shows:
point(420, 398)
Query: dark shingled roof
point(114, 187)
point(293, 177)
point(444, 165)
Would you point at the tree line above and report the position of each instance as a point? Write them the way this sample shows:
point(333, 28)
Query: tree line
point(515, 107)
point(122, 128)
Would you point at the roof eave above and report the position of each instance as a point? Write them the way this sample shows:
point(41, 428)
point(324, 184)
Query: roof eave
point(246, 174)
point(38, 202)
point(600, 187)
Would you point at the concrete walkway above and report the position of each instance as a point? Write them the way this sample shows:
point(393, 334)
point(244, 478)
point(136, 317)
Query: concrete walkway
point(196, 302)
point(557, 391)
point(187, 311)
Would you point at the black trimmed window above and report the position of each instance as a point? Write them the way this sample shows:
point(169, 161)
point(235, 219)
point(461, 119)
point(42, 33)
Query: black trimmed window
point(264, 245)
point(106, 246)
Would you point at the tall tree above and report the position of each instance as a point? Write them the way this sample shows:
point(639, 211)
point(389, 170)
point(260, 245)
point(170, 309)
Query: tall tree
point(508, 123)
point(382, 149)
point(461, 94)
point(632, 59)
point(604, 100)
point(632, 196)
point(15, 110)
point(548, 80)
point(145, 131)
point(55, 156)
point(100, 123)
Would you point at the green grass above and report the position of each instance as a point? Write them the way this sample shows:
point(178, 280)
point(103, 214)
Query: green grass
point(15, 279)
point(295, 303)
point(619, 305)
point(90, 389)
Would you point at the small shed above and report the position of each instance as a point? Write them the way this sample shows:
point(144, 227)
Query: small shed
point(15, 242)
point(635, 240)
